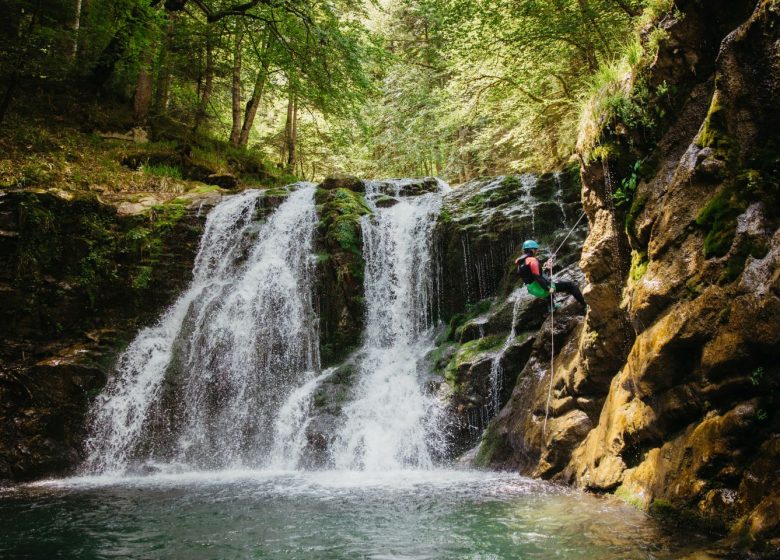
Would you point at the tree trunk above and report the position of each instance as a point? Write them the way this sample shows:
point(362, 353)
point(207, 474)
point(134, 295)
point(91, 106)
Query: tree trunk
point(163, 89)
point(208, 87)
point(291, 130)
point(76, 27)
point(257, 95)
point(142, 99)
point(82, 44)
point(235, 90)
point(13, 22)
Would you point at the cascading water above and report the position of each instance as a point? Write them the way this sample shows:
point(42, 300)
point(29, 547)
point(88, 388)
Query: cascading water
point(496, 369)
point(392, 423)
point(204, 385)
point(529, 181)
point(291, 423)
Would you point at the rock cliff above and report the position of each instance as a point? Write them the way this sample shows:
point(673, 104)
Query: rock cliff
point(667, 393)
point(80, 275)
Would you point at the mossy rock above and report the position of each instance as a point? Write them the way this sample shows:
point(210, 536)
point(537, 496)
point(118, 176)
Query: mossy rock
point(341, 269)
point(343, 181)
point(466, 354)
point(493, 448)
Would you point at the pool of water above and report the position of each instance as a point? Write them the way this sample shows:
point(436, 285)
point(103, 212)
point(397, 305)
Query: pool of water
point(325, 515)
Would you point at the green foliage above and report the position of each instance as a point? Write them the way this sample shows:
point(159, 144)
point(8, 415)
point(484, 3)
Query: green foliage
point(162, 171)
point(719, 215)
point(624, 194)
point(456, 88)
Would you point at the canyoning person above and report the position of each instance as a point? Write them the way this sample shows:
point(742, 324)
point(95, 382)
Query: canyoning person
point(538, 284)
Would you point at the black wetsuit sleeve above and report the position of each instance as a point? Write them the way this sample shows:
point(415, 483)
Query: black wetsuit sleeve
point(543, 282)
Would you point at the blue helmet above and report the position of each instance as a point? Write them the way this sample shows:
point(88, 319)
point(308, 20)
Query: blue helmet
point(530, 244)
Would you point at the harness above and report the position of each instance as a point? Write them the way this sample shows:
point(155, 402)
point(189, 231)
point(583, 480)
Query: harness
point(524, 270)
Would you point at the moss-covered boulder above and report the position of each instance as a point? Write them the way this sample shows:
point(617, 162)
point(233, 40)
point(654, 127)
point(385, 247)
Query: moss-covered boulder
point(343, 181)
point(340, 269)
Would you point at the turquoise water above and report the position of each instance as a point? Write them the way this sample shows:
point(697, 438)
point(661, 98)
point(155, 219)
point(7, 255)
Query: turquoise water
point(325, 515)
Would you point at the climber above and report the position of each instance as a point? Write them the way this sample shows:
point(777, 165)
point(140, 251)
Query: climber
point(538, 285)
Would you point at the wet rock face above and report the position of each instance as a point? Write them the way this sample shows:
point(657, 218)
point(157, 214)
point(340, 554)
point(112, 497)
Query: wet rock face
point(340, 267)
point(692, 410)
point(667, 394)
point(484, 222)
point(78, 280)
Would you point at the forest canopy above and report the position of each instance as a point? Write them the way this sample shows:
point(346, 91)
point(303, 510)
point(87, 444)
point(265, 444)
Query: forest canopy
point(454, 88)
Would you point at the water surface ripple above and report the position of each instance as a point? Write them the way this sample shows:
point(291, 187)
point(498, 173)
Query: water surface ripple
point(432, 514)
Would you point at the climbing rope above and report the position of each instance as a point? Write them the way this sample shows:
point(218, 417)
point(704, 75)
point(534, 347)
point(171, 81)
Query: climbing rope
point(570, 232)
point(552, 326)
point(552, 363)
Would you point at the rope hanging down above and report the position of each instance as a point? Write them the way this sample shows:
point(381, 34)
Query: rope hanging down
point(552, 325)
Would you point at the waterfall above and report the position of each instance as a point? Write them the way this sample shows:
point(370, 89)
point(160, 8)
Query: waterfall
point(291, 423)
point(204, 385)
point(392, 423)
point(529, 181)
point(496, 369)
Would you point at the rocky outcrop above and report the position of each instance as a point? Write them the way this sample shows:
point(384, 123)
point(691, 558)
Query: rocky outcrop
point(666, 395)
point(78, 279)
point(340, 266)
point(341, 205)
point(484, 222)
point(493, 323)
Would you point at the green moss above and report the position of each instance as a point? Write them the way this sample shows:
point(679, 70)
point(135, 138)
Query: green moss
point(512, 182)
point(755, 248)
point(142, 278)
point(491, 447)
point(662, 508)
point(639, 264)
point(472, 311)
point(342, 210)
point(629, 497)
point(276, 192)
point(714, 134)
point(204, 189)
point(439, 352)
point(694, 287)
point(637, 205)
point(719, 216)
point(466, 353)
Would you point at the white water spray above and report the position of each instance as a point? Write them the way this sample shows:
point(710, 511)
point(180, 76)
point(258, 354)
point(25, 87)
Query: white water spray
point(392, 423)
point(204, 384)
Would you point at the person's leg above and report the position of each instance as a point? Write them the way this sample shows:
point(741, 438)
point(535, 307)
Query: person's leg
point(570, 288)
